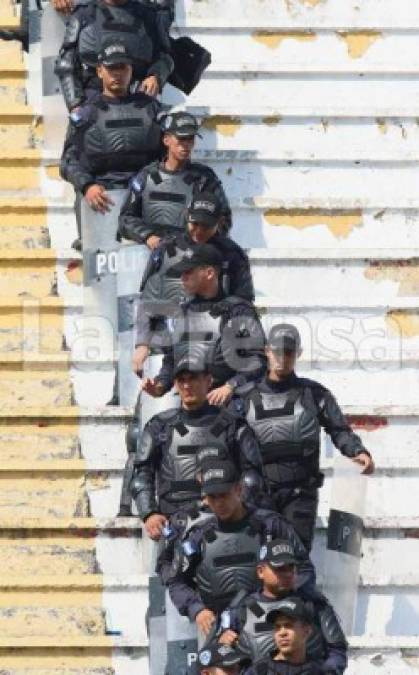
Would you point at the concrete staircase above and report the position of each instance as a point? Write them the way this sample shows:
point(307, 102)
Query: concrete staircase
point(311, 122)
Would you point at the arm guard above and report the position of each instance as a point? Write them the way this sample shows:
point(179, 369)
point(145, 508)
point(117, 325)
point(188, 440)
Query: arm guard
point(67, 68)
point(250, 460)
point(334, 638)
point(71, 168)
point(142, 486)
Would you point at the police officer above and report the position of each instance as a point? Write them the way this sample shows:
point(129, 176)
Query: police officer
point(162, 293)
point(292, 627)
point(217, 558)
point(113, 135)
point(168, 451)
point(227, 328)
point(162, 192)
point(287, 413)
point(93, 21)
point(216, 659)
point(246, 625)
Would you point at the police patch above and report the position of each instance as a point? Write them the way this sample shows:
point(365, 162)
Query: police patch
point(263, 552)
point(205, 657)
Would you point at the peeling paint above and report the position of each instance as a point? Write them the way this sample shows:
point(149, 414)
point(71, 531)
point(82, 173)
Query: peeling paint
point(271, 121)
point(273, 39)
point(340, 223)
point(403, 272)
point(223, 124)
point(403, 323)
point(367, 423)
point(382, 125)
point(98, 481)
point(74, 272)
point(358, 42)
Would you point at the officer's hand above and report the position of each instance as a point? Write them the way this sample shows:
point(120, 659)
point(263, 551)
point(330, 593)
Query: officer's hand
point(152, 387)
point(204, 620)
point(150, 86)
point(229, 637)
point(154, 525)
point(153, 241)
point(139, 358)
point(367, 463)
point(220, 396)
point(98, 199)
point(64, 6)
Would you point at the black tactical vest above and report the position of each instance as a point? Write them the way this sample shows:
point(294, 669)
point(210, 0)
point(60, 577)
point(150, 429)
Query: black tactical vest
point(177, 476)
point(121, 137)
point(256, 637)
point(228, 566)
point(117, 23)
point(287, 428)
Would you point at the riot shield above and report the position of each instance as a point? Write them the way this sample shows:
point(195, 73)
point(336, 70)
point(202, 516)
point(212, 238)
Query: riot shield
point(100, 264)
point(344, 539)
point(182, 642)
point(53, 107)
point(132, 260)
point(156, 608)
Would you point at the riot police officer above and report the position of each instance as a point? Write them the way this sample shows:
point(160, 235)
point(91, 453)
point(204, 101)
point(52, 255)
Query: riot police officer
point(287, 413)
point(227, 328)
point(162, 192)
point(292, 625)
point(113, 135)
point(94, 21)
point(217, 558)
point(162, 293)
point(246, 625)
point(168, 451)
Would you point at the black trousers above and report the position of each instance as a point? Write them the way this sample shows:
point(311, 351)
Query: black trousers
point(299, 506)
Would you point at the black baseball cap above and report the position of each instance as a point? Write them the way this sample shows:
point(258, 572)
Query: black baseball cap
point(218, 476)
point(201, 255)
point(278, 553)
point(284, 336)
point(205, 210)
point(293, 607)
point(194, 361)
point(113, 52)
point(180, 124)
point(216, 654)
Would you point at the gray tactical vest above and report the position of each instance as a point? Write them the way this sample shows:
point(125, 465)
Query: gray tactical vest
point(288, 432)
point(228, 566)
point(177, 476)
point(119, 24)
point(121, 138)
point(256, 637)
point(194, 329)
point(166, 198)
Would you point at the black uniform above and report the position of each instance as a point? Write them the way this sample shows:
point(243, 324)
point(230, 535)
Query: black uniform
point(216, 560)
point(161, 294)
point(228, 332)
point(271, 667)
point(158, 200)
point(139, 25)
point(109, 139)
point(327, 643)
point(172, 442)
point(287, 418)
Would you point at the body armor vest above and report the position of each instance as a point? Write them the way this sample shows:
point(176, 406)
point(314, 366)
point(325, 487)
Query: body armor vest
point(287, 428)
point(197, 331)
point(117, 23)
point(256, 637)
point(122, 137)
point(228, 566)
point(177, 476)
point(171, 288)
point(166, 198)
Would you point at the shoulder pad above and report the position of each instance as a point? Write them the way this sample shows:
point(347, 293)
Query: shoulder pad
point(81, 116)
point(167, 415)
point(139, 181)
point(205, 521)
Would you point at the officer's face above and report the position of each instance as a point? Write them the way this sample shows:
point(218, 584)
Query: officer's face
point(291, 635)
point(216, 670)
point(227, 505)
point(196, 281)
point(116, 78)
point(179, 149)
point(201, 233)
point(277, 579)
point(193, 388)
point(281, 362)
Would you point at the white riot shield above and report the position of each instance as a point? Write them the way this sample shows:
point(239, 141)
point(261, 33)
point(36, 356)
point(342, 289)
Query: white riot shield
point(132, 260)
point(182, 642)
point(100, 264)
point(344, 539)
point(54, 111)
